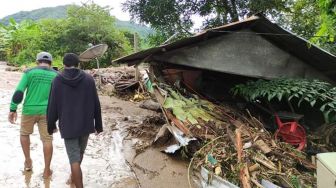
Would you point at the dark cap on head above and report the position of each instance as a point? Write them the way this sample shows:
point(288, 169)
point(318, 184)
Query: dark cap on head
point(70, 59)
point(44, 57)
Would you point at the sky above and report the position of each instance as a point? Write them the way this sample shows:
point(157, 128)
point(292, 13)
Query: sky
point(9, 7)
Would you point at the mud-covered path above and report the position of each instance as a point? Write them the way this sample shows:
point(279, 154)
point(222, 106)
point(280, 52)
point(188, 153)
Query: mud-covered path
point(109, 160)
point(103, 165)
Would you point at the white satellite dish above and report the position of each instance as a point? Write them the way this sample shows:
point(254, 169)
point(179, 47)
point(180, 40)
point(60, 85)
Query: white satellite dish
point(94, 52)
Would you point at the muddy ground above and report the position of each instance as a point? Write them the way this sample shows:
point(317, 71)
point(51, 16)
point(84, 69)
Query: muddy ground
point(120, 157)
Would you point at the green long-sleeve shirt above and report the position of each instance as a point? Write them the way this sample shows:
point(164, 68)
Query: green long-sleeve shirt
point(35, 83)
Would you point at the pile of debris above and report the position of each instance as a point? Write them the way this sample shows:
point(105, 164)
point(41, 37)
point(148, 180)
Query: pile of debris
point(120, 81)
point(236, 145)
point(145, 132)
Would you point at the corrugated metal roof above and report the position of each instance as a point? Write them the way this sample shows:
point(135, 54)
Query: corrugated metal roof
point(293, 44)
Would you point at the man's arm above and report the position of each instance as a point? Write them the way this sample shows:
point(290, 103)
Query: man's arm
point(97, 112)
point(19, 92)
point(52, 113)
point(17, 98)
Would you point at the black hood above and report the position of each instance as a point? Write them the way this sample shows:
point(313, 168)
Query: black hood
point(72, 76)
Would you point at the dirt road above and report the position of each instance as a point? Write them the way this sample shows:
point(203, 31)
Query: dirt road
point(109, 160)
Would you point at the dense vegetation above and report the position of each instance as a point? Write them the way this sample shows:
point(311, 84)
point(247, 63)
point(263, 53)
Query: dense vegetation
point(311, 19)
point(61, 12)
point(88, 24)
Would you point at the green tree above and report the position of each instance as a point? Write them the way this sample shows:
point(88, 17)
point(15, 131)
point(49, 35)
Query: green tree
point(92, 24)
point(53, 31)
point(314, 20)
point(20, 41)
point(302, 18)
point(169, 17)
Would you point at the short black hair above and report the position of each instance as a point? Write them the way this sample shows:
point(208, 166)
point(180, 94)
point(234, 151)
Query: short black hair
point(70, 59)
point(44, 61)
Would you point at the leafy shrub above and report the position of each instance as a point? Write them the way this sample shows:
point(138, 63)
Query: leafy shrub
point(317, 93)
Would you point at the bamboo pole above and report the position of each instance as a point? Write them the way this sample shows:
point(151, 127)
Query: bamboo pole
point(244, 175)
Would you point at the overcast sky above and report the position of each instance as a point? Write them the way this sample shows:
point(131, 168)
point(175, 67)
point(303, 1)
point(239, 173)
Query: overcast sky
point(9, 7)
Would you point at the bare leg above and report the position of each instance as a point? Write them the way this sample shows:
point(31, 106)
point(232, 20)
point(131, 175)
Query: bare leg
point(76, 174)
point(47, 151)
point(25, 144)
point(71, 178)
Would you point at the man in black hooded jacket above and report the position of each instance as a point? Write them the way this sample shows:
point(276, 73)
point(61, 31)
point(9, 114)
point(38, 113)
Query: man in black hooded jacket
point(74, 102)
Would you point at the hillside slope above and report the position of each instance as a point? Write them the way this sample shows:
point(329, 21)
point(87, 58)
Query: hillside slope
point(60, 12)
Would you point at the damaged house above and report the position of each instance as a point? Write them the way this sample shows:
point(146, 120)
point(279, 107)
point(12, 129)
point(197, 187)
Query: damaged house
point(215, 60)
point(254, 47)
point(192, 80)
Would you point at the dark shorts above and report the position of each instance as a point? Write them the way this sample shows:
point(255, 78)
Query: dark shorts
point(75, 148)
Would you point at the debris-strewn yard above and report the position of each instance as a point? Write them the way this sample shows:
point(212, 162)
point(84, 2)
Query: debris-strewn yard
point(178, 135)
point(218, 139)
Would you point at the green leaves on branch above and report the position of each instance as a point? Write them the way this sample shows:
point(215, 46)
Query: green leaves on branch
point(316, 93)
point(188, 109)
point(328, 24)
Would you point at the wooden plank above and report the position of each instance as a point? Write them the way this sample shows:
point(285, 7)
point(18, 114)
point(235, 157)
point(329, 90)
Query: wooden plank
point(260, 144)
point(265, 163)
point(240, 125)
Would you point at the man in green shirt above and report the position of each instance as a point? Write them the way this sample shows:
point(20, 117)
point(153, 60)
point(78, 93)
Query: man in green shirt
point(35, 83)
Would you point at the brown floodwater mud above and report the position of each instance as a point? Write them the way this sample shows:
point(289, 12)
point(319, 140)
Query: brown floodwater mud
point(104, 164)
point(120, 157)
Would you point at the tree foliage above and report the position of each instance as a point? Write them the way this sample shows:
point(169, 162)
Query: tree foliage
point(19, 41)
point(327, 27)
point(302, 18)
point(92, 24)
point(168, 17)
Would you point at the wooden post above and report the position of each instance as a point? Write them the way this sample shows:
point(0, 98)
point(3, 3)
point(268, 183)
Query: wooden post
point(136, 49)
point(244, 175)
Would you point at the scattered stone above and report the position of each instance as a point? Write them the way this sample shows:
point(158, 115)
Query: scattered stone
point(150, 105)
point(12, 69)
point(154, 120)
point(108, 89)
